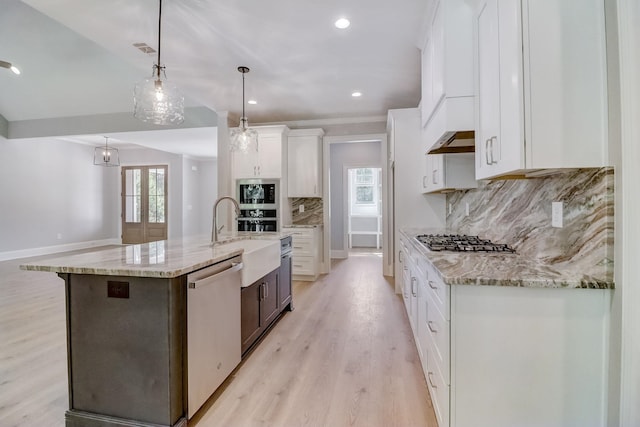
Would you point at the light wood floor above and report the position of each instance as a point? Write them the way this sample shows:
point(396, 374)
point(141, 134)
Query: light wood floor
point(344, 357)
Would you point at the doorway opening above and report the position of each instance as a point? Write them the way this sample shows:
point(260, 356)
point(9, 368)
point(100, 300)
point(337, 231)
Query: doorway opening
point(144, 203)
point(364, 210)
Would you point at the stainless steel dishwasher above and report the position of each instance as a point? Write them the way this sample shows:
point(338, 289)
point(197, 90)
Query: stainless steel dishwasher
point(213, 329)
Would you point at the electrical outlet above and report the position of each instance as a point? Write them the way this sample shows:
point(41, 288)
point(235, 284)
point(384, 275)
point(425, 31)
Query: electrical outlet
point(556, 214)
point(466, 209)
point(301, 208)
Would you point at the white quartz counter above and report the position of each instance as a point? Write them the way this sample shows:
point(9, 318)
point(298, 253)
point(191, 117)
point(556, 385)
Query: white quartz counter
point(162, 259)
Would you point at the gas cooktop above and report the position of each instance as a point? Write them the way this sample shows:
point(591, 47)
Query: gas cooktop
point(461, 243)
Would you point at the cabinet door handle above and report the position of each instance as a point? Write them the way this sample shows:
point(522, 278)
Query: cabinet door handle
point(486, 151)
point(431, 285)
point(315, 189)
point(258, 169)
point(424, 181)
point(429, 324)
point(491, 145)
point(414, 291)
point(494, 139)
point(429, 375)
point(400, 256)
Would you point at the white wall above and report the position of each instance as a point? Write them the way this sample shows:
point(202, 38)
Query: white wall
point(49, 188)
point(199, 190)
point(341, 154)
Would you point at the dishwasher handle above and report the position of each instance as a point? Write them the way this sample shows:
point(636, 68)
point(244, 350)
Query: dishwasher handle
point(198, 281)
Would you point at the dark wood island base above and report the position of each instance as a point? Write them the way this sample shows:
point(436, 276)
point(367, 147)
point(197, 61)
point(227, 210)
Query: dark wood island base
point(126, 351)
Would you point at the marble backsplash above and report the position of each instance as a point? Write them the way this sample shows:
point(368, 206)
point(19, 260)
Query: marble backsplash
point(518, 212)
point(312, 214)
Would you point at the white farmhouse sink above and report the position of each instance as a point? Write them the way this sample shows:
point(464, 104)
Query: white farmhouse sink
point(259, 258)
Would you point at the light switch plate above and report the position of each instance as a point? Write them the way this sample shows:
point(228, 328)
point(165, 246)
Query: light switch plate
point(301, 208)
point(556, 214)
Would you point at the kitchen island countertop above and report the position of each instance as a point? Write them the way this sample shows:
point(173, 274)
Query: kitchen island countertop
point(161, 259)
point(499, 269)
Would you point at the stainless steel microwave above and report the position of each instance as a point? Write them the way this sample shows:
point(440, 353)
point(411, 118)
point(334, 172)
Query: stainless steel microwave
point(257, 193)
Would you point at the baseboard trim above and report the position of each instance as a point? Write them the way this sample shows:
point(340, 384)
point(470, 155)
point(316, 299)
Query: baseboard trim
point(339, 254)
point(75, 418)
point(46, 250)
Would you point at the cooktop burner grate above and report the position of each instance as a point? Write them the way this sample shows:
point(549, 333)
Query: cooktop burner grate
point(461, 243)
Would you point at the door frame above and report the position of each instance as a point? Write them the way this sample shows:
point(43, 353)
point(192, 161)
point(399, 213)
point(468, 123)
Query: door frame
point(345, 198)
point(121, 198)
point(387, 214)
point(629, 202)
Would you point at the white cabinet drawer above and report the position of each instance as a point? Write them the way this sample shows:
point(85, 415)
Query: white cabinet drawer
point(306, 248)
point(439, 290)
point(438, 337)
point(303, 265)
point(303, 246)
point(300, 233)
point(438, 389)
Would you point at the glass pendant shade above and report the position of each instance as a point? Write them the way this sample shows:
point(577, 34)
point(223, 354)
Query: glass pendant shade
point(243, 138)
point(105, 155)
point(158, 101)
point(155, 100)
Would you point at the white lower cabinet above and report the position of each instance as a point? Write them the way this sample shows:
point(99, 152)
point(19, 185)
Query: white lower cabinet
point(306, 252)
point(500, 356)
point(410, 286)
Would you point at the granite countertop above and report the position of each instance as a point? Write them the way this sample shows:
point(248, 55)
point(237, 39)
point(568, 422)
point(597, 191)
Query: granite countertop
point(496, 269)
point(303, 226)
point(162, 259)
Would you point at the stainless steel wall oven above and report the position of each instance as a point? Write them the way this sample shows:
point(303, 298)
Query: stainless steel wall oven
point(258, 199)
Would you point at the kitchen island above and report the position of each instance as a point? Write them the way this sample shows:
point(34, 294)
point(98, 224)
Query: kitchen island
point(129, 328)
point(506, 339)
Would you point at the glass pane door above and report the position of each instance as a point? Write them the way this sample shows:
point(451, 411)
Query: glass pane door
point(144, 204)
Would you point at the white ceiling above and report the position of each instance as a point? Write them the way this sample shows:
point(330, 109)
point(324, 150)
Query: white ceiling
point(77, 56)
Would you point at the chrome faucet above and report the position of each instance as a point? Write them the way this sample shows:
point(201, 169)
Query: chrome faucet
point(216, 230)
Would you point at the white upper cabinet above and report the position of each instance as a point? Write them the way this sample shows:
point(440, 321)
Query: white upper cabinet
point(267, 161)
point(305, 163)
point(448, 172)
point(447, 67)
point(541, 94)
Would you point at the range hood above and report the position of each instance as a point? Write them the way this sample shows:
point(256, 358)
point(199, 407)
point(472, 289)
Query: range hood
point(462, 141)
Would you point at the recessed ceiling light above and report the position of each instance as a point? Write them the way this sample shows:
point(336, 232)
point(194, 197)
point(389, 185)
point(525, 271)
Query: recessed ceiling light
point(342, 23)
point(15, 69)
point(252, 102)
point(356, 94)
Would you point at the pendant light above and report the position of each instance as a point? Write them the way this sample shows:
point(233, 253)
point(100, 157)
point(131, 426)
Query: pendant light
point(10, 66)
point(243, 138)
point(106, 156)
point(155, 99)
